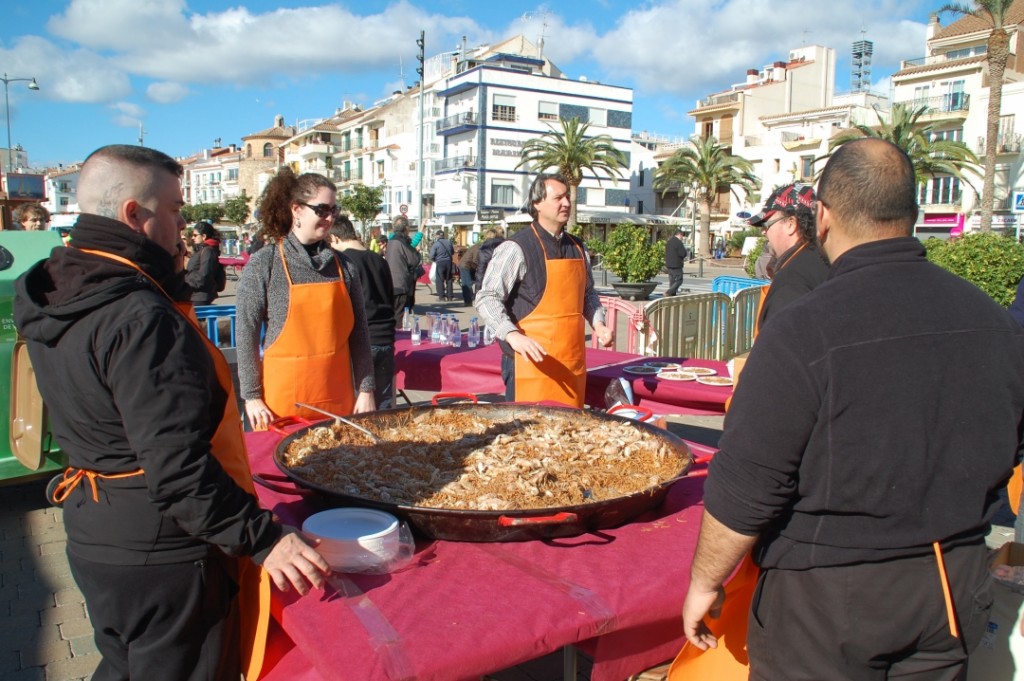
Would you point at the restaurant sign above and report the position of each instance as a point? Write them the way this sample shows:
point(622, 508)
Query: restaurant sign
point(503, 146)
point(490, 215)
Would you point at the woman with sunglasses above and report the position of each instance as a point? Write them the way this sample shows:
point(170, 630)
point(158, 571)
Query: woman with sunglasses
point(316, 348)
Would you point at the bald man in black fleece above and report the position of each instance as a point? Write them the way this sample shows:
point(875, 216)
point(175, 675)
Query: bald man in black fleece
point(850, 452)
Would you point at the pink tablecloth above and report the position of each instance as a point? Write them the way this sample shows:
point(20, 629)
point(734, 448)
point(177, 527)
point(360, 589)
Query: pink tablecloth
point(462, 610)
point(440, 368)
point(663, 396)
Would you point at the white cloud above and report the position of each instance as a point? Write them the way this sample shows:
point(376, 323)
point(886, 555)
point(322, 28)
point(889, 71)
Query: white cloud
point(71, 76)
point(129, 109)
point(240, 47)
point(683, 46)
point(167, 92)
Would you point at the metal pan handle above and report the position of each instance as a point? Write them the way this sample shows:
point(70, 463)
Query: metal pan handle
point(270, 481)
point(282, 424)
point(563, 518)
point(449, 396)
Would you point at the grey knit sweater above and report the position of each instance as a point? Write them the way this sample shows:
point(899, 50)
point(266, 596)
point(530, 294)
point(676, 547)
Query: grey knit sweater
point(262, 298)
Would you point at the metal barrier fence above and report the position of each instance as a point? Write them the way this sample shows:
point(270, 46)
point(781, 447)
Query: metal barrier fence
point(692, 325)
point(211, 315)
point(745, 306)
point(700, 325)
point(732, 285)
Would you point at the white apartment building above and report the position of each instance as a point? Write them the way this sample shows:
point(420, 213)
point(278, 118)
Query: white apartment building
point(778, 117)
point(62, 195)
point(496, 99)
point(951, 80)
point(212, 176)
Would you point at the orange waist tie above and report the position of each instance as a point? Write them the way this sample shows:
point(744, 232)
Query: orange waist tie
point(73, 476)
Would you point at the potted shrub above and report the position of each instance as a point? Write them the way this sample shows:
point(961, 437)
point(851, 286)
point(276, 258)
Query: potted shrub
point(630, 256)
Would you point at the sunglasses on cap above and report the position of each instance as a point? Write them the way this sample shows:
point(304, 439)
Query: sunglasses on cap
point(323, 210)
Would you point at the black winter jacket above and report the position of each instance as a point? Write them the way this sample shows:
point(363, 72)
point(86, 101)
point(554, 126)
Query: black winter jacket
point(882, 411)
point(130, 384)
point(201, 273)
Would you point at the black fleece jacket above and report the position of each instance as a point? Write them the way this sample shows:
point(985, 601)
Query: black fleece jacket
point(878, 413)
point(130, 384)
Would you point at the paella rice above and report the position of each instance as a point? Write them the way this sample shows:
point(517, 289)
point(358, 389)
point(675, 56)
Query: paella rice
point(457, 459)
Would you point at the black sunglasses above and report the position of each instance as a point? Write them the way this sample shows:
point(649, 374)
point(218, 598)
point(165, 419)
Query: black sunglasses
point(323, 210)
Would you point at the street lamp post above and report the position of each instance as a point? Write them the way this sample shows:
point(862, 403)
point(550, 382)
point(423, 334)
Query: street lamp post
point(32, 85)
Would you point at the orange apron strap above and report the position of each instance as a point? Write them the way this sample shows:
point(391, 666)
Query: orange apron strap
point(946, 593)
point(73, 476)
point(729, 661)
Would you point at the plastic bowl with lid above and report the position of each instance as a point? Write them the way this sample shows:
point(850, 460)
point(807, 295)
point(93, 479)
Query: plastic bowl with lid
point(353, 539)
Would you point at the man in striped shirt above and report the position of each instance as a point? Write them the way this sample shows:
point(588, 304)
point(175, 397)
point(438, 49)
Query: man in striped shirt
point(536, 294)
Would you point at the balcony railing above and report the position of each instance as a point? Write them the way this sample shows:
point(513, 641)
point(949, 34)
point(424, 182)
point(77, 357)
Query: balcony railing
point(454, 163)
point(1007, 143)
point(464, 118)
point(948, 103)
point(715, 100)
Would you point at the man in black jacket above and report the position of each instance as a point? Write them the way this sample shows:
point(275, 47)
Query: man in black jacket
point(675, 257)
point(852, 464)
point(158, 525)
point(378, 300)
point(441, 255)
point(404, 262)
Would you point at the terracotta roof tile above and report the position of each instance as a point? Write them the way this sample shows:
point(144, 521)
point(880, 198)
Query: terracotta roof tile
point(941, 64)
point(972, 24)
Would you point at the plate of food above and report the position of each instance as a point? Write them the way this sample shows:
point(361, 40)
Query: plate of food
point(720, 381)
point(663, 366)
point(641, 370)
point(677, 376)
point(699, 371)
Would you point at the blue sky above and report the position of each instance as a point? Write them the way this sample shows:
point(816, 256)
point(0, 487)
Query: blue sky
point(193, 72)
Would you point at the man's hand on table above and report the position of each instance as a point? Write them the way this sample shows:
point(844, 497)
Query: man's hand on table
point(605, 336)
point(526, 346)
point(293, 562)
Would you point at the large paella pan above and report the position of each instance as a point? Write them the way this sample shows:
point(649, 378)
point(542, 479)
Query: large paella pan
point(500, 472)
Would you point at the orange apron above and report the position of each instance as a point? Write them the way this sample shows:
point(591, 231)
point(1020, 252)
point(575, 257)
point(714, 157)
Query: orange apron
point(1014, 488)
point(309, 361)
point(729, 660)
point(557, 324)
point(228, 447)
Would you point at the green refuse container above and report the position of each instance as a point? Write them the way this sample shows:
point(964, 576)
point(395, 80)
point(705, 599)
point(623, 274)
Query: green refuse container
point(27, 449)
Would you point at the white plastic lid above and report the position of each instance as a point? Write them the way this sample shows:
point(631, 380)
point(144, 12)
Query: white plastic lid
point(350, 524)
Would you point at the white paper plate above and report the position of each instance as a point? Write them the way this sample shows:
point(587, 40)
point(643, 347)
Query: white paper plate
point(717, 381)
point(677, 376)
point(699, 371)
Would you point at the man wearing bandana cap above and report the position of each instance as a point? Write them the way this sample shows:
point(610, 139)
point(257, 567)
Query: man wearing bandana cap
point(787, 221)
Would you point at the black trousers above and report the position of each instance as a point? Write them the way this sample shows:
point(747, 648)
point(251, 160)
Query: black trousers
point(443, 279)
point(175, 622)
point(675, 280)
point(383, 374)
point(869, 622)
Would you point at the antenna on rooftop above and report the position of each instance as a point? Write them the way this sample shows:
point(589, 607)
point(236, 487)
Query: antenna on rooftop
point(527, 16)
point(142, 135)
point(860, 64)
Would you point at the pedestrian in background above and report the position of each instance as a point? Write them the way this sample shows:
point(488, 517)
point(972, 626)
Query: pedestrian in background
point(317, 345)
point(406, 267)
point(205, 274)
point(165, 537)
point(441, 255)
point(378, 300)
point(675, 257)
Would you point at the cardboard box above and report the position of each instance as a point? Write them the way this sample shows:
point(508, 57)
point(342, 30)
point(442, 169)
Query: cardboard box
point(1000, 655)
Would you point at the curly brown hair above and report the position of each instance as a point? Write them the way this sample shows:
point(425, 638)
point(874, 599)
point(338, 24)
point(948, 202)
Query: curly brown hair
point(281, 193)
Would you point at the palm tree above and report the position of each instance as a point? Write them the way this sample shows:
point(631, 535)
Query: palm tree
point(993, 13)
point(931, 157)
point(571, 152)
point(708, 165)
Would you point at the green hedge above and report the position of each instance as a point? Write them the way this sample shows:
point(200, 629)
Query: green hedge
point(992, 262)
